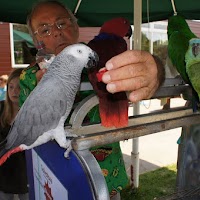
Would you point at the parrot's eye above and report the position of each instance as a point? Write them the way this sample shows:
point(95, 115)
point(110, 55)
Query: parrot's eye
point(79, 51)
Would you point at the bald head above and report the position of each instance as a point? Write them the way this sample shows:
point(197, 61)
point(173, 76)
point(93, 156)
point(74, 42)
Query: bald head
point(47, 15)
point(41, 4)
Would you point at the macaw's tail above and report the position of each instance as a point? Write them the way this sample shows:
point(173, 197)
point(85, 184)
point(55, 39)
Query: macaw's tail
point(7, 154)
point(113, 109)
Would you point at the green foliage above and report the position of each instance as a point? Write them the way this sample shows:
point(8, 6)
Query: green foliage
point(153, 185)
point(145, 43)
point(21, 27)
point(18, 50)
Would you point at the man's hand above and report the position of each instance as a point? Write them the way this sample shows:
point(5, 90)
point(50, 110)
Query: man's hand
point(134, 71)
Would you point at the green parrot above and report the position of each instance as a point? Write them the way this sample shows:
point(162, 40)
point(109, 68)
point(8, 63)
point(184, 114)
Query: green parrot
point(192, 59)
point(179, 35)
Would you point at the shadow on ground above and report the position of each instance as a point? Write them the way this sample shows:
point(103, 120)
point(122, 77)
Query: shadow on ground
point(144, 165)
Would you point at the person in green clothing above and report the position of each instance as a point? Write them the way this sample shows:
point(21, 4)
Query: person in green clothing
point(54, 24)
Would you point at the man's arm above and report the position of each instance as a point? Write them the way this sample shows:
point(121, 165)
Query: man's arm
point(160, 69)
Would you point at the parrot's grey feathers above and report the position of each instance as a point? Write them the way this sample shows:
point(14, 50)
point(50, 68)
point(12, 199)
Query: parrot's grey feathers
point(50, 103)
point(38, 116)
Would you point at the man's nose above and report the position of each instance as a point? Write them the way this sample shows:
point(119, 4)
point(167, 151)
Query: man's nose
point(56, 31)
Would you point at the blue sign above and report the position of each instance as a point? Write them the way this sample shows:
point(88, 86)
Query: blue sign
point(51, 176)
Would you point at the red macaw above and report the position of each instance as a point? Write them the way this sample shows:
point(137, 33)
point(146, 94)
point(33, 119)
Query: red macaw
point(110, 42)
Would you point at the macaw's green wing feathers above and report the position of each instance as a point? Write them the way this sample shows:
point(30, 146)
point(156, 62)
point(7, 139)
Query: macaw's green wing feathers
point(177, 23)
point(177, 46)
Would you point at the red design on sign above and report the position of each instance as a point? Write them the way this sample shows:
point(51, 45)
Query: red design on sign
point(47, 192)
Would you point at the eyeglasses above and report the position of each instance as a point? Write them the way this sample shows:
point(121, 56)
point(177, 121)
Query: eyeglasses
point(46, 29)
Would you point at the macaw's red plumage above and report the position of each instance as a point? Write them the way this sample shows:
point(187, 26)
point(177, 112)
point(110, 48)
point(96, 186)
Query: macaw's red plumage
point(113, 108)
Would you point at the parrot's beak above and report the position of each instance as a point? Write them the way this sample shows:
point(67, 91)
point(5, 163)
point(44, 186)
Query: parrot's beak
point(196, 49)
point(93, 60)
point(129, 33)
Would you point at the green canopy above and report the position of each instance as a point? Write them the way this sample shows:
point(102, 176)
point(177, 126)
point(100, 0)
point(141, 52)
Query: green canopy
point(21, 36)
point(93, 13)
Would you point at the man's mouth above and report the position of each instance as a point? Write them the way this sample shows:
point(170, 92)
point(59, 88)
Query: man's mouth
point(62, 45)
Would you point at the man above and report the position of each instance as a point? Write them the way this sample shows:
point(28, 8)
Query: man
point(134, 71)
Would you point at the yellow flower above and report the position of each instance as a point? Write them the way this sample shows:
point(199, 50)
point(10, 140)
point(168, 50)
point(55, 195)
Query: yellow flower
point(22, 75)
point(104, 172)
point(115, 172)
point(33, 82)
point(34, 71)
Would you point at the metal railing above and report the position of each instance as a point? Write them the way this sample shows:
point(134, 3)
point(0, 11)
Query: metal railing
point(141, 125)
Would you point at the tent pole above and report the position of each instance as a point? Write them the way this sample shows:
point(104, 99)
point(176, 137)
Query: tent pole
point(136, 108)
point(77, 7)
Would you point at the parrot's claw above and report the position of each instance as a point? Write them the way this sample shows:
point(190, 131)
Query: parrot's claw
point(70, 135)
point(66, 154)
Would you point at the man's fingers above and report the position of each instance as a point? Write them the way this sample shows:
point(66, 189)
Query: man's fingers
point(140, 94)
point(127, 84)
point(126, 72)
point(126, 58)
point(139, 87)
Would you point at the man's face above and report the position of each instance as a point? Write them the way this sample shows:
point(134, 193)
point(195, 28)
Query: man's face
point(59, 38)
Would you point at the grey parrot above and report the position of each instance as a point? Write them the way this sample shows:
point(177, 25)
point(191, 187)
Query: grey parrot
point(42, 116)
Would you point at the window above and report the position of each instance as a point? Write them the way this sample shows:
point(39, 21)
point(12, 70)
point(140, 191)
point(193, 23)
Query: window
point(154, 38)
point(22, 47)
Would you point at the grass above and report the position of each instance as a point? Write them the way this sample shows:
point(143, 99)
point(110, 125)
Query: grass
point(153, 185)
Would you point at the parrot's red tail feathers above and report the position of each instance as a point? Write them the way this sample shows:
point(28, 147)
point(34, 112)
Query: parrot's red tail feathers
point(9, 153)
point(113, 107)
point(114, 113)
